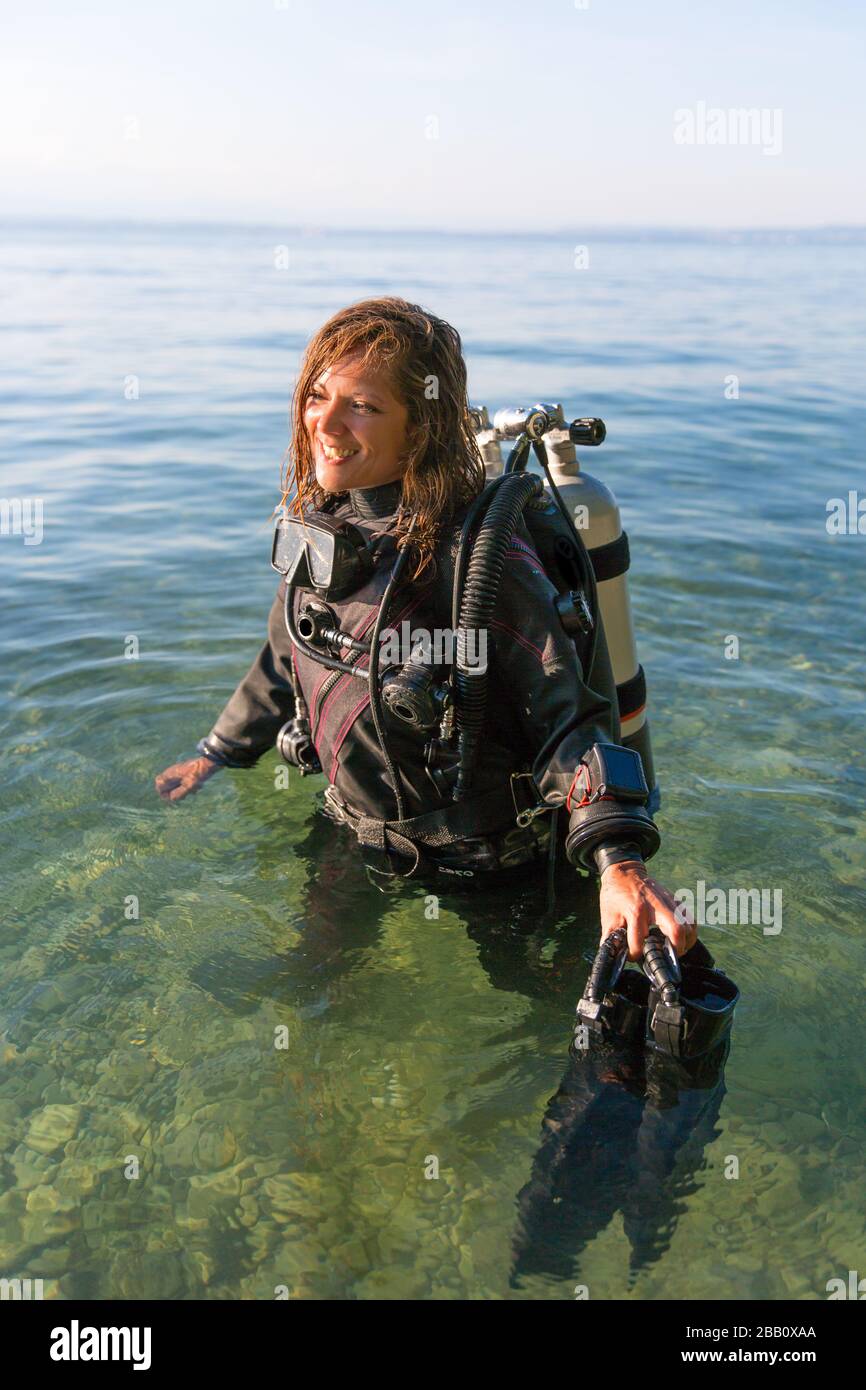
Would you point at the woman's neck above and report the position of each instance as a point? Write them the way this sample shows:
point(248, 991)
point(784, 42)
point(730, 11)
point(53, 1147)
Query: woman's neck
point(370, 503)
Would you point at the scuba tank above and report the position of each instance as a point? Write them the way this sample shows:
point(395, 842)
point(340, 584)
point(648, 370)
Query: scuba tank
point(595, 514)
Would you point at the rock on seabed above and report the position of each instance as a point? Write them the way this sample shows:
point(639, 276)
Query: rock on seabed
point(52, 1127)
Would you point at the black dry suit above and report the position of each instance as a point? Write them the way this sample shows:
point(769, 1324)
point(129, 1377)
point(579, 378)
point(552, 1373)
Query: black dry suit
point(542, 713)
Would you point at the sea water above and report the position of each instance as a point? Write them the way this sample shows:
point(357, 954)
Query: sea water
point(230, 1064)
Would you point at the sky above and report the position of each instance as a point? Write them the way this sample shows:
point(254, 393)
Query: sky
point(545, 114)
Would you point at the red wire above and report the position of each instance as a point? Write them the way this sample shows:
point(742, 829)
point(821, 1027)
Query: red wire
point(581, 768)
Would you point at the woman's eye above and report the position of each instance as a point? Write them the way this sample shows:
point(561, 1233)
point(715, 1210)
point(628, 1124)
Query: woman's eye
point(357, 405)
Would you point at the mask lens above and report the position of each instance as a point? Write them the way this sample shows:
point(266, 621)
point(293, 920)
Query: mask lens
point(304, 553)
point(289, 548)
point(320, 556)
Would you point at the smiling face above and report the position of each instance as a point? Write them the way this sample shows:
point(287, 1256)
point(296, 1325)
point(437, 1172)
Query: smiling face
point(356, 427)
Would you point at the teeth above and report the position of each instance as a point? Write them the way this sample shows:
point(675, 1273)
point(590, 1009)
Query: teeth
point(337, 453)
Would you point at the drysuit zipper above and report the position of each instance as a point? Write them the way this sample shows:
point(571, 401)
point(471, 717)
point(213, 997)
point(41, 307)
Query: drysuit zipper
point(327, 685)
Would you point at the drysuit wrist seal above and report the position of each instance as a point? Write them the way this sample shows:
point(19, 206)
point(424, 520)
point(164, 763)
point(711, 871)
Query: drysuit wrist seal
point(606, 855)
point(594, 826)
point(205, 749)
point(607, 801)
point(209, 750)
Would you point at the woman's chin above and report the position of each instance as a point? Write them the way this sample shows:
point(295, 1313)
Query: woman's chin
point(340, 477)
point(332, 478)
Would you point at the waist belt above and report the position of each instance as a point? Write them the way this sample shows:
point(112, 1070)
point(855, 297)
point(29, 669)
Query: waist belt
point(479, 815)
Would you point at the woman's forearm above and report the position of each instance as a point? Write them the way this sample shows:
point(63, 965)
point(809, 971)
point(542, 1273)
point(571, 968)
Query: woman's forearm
point(261, 703)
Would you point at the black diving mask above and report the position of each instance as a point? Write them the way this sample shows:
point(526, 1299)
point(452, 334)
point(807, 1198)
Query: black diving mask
point(317, 552)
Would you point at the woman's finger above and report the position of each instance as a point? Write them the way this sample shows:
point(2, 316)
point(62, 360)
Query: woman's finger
point(639, 922)
point(179, 792)
point(673, 930)
point(611, 921)
point(682, 935)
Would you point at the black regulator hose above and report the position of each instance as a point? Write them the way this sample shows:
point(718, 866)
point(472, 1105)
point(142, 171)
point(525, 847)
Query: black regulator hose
point(610, 955)
point(375, 692)
point(481, 503)
point(660, 971)
point(476, 611)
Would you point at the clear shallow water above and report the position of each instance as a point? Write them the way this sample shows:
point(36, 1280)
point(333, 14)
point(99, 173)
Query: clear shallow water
point(410, 1038)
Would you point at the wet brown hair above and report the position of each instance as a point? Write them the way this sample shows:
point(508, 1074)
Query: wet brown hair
point(422, 356)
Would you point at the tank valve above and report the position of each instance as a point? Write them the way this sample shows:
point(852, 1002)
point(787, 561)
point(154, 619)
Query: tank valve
point(589, 432)
point(534, 422)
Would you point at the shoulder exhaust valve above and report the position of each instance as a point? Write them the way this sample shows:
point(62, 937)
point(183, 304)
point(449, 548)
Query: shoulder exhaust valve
point(574, 613)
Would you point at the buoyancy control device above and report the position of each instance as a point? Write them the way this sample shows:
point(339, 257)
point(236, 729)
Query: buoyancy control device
point(577, 572)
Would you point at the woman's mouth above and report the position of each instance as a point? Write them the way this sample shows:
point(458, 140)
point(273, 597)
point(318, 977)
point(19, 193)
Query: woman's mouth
point(332, 455)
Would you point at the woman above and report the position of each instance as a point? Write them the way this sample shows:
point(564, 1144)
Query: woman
point(382, 442)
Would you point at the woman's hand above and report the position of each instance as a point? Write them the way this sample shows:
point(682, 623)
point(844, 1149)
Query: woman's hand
point(182, 778)
point(631, 899)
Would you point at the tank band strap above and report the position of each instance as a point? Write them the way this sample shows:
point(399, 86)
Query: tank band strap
point(631, 695)
point(611, 560)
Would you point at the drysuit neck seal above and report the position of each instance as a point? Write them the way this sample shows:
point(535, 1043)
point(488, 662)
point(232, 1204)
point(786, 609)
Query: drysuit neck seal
point(373, 503)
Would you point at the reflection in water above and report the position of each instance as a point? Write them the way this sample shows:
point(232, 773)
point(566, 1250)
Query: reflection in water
point(623, 1120)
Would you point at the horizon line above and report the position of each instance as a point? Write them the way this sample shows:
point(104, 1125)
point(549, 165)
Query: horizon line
point(323, 228)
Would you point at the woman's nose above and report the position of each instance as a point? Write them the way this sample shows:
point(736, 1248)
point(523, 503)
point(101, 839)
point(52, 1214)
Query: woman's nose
point(329, 418)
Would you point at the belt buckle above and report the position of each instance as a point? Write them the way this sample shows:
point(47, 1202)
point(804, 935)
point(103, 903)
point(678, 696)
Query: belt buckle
point(523, 817)
point(334, 807)
point(528, 814)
